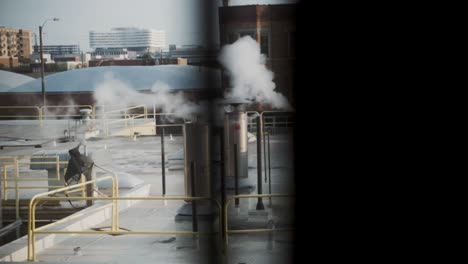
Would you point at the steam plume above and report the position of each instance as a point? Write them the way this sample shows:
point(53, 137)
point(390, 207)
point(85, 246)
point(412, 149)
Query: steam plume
point(113, 91)
point(250, 79)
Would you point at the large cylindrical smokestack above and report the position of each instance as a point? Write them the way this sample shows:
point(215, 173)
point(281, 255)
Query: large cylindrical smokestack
point(225, 3)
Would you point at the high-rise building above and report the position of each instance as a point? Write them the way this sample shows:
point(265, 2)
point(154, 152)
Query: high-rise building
point(14, 44)
point(131, 39)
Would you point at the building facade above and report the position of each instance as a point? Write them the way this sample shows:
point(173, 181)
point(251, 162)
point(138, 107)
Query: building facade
point(195, 55)
point(131, 39)
point(14, 44)
point(59, 50)
point(274, 28)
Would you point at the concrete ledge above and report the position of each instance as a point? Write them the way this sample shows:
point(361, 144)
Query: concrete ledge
point(18, 250)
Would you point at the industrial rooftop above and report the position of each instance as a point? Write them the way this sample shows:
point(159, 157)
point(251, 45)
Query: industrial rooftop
point(179, 77)
point(10, 80)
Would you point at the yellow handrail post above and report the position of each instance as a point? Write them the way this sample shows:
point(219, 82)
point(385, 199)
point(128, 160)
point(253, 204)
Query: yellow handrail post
point(57, 165)
point(116, 184)
point(5, 183)
point(33, 235)
point(40, 116)
point(83, 188)
point(43, 113)
point(16, 171)
point(114, 208)
point(94, 111)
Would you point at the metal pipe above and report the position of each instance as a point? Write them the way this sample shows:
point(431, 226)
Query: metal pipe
point(236, 175)
point(223, 186)
point(193, 192)
point(260, 205)
point(17, 198)
point(163, 164)
point(264, 150)
point(42, 68)
point(269, 169)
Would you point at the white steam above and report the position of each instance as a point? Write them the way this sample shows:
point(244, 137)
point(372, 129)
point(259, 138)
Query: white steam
point(115, 92)
point(250, 79)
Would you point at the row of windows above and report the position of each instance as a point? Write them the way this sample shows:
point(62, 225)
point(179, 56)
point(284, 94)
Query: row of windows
point(149, 44)
point(128, 33)
point(127, 36)
point(126, 40)
point(59, 49)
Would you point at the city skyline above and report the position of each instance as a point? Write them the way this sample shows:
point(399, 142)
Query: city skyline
point(193, 22)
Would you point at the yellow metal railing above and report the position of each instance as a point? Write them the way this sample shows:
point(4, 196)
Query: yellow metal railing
point(39, 112)
point(43, 196)
point(115, 229)
point(171, 124)
point(126, 117)
point(272, 121)
point(227, 231)
point(46, 112)
point(15, 161)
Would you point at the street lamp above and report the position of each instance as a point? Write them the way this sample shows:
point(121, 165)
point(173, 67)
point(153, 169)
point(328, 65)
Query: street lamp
point(42, 59)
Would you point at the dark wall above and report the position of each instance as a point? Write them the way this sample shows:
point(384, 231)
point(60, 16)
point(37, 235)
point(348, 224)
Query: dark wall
point(73, 98)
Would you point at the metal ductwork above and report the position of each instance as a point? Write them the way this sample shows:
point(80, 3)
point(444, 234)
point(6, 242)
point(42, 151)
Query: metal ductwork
point(236, 143)
point(197, 149)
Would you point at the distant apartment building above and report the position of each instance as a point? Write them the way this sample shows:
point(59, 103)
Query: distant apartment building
point(131, 39)
point(194, 54)
point(59, 50)
point(274, 28)
point(113, 54)
point(15, 44)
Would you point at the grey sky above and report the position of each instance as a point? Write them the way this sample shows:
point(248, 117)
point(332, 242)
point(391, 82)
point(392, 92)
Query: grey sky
point(184, 21)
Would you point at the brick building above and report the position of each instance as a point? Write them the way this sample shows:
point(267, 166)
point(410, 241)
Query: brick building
point(15, 44)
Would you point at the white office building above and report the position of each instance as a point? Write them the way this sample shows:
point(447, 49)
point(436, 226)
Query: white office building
point(131, 39)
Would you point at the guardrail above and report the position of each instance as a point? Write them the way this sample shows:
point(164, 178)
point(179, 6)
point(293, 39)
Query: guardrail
point(38, 116)
point(15, 162)
point(227, 231)
point(115, 229)
point(127, 115)
point(168, 120)
point(46, 110)
point(43, 196)
point(272, 119)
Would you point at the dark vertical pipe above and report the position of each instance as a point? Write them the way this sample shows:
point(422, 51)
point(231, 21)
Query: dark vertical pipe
point(163, 164)
point(260, 205)
point(269, 167)
point(42, 68)
point(223, 187)
point(236, 176)
point(264, 150)
point(89, 193)
point(194, 193)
